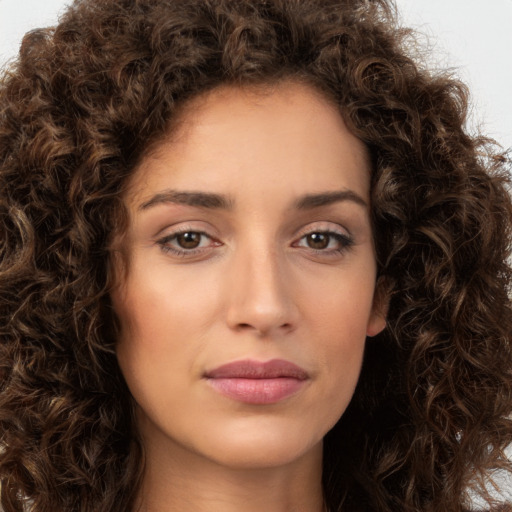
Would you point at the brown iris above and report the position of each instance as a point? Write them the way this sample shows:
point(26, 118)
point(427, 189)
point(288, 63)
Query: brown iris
point(189, 240)
point(318, 240)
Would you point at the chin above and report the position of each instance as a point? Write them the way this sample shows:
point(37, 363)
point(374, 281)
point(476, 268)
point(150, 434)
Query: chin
point(262, 445)
point(265, 455)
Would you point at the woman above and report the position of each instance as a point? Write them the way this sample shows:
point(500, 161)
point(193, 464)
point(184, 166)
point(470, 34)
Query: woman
point(250, 261)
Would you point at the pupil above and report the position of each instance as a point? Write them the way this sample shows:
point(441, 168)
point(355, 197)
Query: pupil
point(318, 240)
point(189, 240)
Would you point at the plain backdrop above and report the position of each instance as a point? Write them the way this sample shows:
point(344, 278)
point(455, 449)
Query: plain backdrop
point(471, 37)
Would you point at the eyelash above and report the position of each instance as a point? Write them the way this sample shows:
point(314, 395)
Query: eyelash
point(182, 252)
point(345, 242)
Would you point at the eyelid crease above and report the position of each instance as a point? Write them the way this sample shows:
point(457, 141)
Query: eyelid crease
point(324, 226)
point(175, 234)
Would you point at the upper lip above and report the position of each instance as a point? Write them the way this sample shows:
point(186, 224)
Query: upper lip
point(250, 369)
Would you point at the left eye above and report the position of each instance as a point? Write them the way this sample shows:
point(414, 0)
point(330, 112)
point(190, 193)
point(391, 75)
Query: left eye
point(322, 240)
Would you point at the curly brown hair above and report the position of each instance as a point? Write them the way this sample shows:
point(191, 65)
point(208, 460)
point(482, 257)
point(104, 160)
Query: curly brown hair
point(432, 412)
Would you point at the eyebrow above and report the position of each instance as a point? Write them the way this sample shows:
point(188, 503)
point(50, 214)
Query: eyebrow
point(221, 202)
point(197, 199)
point(311, 201)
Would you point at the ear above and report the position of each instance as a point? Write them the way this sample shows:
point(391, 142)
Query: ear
point(381, 296)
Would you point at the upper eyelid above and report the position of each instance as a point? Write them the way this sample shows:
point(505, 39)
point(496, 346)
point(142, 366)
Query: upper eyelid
point(323, 227)
point(207, 230)
point(346, 237)
point(174, 234)
point(183, 227)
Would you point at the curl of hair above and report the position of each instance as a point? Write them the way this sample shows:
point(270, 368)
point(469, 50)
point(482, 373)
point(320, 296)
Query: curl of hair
point(432, 411)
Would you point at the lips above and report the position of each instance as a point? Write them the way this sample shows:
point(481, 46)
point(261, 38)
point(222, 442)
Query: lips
point(257, 383)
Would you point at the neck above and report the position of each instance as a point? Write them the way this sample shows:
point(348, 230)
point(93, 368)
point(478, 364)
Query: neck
point(177, 479)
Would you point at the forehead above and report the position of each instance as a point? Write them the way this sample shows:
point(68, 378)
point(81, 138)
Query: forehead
point(232, 105)
point(256, 133)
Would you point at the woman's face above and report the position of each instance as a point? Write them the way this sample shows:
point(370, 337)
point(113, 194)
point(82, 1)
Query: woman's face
point(250, 284)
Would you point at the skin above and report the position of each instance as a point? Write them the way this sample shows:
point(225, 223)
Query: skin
point(267, 280)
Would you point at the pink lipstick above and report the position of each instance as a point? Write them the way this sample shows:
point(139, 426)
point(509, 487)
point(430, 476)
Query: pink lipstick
point(258, 383)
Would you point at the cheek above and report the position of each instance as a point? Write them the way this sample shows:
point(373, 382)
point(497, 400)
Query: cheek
point(341, 307)
point(163, 324)
point(155, 306)
point(153, 349)
point(340, 352)
point(338, 317)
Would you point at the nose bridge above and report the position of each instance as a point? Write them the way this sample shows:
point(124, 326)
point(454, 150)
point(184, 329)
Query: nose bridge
point(260, 292)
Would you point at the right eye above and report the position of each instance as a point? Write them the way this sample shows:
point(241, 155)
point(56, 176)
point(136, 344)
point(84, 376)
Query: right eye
point(186, 242)
point(189, 239)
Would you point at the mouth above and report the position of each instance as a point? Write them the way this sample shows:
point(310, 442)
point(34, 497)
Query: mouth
point(257, 383)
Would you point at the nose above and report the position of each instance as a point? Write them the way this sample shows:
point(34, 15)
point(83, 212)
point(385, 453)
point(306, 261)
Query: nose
point(260, 294)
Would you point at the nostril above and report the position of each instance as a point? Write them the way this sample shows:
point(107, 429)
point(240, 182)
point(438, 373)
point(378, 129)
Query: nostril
point(263, 329)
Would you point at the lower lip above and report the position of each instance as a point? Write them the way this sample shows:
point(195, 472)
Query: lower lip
point(257, 391)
